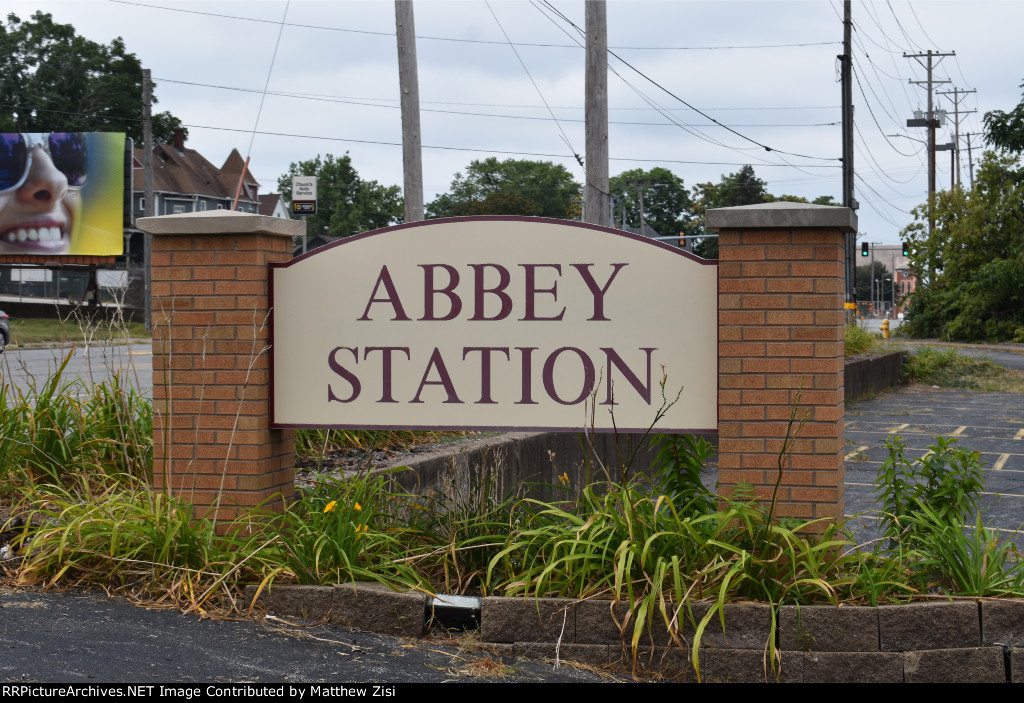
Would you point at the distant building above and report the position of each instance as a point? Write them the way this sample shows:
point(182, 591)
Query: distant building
point(272, 205)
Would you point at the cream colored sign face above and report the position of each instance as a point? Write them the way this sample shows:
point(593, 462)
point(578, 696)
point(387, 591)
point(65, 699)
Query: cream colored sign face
point(495, 323)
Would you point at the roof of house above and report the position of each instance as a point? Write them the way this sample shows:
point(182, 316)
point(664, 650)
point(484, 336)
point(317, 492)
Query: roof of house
point(268, 202)
point(187, 171)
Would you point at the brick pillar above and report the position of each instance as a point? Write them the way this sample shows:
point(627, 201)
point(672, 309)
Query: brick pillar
point(780, 327)
point(213, 445)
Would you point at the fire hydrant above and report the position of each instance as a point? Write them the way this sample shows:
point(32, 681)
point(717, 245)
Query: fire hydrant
point(885, 329)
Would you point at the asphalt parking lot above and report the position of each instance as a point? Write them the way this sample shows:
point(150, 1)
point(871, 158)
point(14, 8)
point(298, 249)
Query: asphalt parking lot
point(991, 423)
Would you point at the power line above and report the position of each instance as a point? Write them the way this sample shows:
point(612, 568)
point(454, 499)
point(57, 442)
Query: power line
point(363, 102)
point(462, 40)
point(399, 144)
point(535, 86)
point(676, 97)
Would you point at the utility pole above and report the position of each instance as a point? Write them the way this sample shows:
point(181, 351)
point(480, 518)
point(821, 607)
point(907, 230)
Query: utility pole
point(956, 93)
point(596, 193)
point(408, 81)
point(846, 60)
point(930, 123)
point(970, 158)
point(148, 195)
point(640, 185)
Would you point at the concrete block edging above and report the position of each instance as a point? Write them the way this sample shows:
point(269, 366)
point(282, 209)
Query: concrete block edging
point(939, 642)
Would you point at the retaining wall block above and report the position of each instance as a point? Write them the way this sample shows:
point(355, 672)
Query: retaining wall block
point(853, 667)
point(749, 666)
point(966, 665)
point(826, 628)
point(591, 654)
point(747, 626)
point(670, 662)
point(1016, 664)
point(306, 602)
point(376, 608)
point(528, 620)
point(905, 628)
point(1002, 623)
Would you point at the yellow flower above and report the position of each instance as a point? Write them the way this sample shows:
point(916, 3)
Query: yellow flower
point(564, 478)
point(331, 506)
point(358, 507)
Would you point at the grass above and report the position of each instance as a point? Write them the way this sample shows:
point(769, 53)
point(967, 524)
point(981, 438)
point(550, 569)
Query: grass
point(860, 341)
point(71, 331)
point(947, 368)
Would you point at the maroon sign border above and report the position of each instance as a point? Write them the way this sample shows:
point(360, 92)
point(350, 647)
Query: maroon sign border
point(448, 220)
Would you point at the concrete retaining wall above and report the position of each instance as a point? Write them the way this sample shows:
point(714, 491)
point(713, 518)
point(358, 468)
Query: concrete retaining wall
point(955, 642)
point(870, 374)
point(539, 458)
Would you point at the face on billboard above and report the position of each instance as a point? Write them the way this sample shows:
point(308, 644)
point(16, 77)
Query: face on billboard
point(49, 185)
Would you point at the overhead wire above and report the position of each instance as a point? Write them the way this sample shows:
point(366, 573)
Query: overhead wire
point(535, 86)
point(464, 40)
point(684, 102)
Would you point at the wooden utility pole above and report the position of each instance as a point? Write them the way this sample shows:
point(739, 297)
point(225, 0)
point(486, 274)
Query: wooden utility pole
point(148, 195)
point(408, 80)
point(848, 199)
point(596, 196)
point(957, 93)
point(931, 122)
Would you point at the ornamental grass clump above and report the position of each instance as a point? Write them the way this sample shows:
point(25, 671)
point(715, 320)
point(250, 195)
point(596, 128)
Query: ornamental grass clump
point(64, 429)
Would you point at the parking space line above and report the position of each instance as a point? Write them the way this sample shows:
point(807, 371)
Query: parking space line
point(855, 452)
point(1000, 462)
point(959, 431)
point(1020, 434)
point(898, 428)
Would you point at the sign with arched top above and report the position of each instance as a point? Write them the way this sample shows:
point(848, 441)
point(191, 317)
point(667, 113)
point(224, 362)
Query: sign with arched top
point(495, 323)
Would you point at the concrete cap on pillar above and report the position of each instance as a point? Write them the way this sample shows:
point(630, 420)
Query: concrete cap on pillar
point(782, 215)
point(220, 222)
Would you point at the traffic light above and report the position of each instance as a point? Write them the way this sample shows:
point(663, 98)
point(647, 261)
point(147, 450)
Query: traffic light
point(906, 248)
point(864, 249)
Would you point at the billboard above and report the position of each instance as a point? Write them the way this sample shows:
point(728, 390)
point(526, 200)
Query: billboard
point(495, 323)
point(62, 193)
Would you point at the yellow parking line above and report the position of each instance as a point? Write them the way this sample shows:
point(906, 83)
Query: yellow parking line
point(1000, 462)
point(959, 431)
point(855, 452)
point(138, 353)
point(1019, 435)
point(900, 427)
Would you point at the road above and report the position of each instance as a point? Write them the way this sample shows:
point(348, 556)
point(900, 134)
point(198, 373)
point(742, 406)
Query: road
point(23, 368)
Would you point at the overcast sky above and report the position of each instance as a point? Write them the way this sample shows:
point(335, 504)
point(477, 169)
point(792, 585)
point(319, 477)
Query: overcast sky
point(766, 69)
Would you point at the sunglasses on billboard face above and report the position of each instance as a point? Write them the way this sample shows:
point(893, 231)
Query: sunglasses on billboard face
point(66, 150)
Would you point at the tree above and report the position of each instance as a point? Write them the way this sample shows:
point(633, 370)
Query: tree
point(882, 289)
point(53, 80)
point(740, 188)
point(667, 204)
point(1005, 130)
point(509, 187)
point(346, 204)
point(972, 264)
